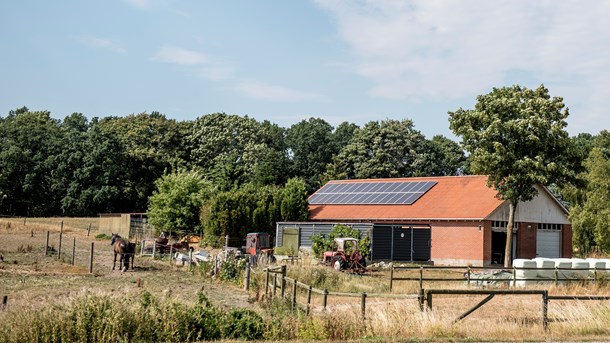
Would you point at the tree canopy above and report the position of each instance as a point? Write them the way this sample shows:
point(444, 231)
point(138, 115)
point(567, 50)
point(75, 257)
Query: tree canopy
point(517, 137)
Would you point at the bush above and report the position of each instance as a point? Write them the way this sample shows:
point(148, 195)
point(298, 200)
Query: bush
point(245, 324)
point(321, 243)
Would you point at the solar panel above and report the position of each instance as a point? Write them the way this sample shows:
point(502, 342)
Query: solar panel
point(371, 193)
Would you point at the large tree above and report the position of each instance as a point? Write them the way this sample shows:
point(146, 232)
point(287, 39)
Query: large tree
point(29, 144)
point(390, 148)
point(517, 137)
point(590, 214)
point(311, 149)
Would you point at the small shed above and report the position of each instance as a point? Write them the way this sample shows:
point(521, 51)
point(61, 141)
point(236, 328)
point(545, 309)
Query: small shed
point(125, 224)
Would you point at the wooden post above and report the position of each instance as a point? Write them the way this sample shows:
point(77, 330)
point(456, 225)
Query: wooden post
point(294, 295)
point(154, 249)
point(514, 276)
point(226, 242)
point(73, 249)
point(61, 233)
point(308, 299)
point(391, 275)
point(283, 283)
point(556, 276)
point(421, 276)
point(468, 275)
point(545, 309)
point(190, 258)
point(363, 305)
point(171, 252)
point(91, 259)
point(24, 220)
point(267, 282)
point(4, 302)
point(46, 245)
point(247, 280)
point(274, 285)
point(429, 301)
point(420, 299)
point(88, 229)
point(325, 299)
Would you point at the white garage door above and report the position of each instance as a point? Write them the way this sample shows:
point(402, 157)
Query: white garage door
point(548, 243)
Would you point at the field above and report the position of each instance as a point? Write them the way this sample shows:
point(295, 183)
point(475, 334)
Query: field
point(36, 284)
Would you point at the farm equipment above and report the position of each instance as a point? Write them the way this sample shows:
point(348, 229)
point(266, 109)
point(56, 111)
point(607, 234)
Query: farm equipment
point(345, 255)
point(258, 246)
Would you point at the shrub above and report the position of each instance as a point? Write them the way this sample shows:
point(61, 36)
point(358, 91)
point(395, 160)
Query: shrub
point(245, 324)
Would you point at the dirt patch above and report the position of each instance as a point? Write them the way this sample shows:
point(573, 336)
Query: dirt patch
point(29, 275)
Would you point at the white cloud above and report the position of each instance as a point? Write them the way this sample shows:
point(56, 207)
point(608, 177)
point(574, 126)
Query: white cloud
point(174, 55)
point(263, 91)
point(102, 43)
point(457, 48)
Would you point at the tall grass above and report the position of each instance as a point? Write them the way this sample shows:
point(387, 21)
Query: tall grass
point(106, 318)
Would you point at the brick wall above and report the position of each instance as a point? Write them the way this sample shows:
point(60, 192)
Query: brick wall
point(566, 241)
point(460, 243)
point(526, 240)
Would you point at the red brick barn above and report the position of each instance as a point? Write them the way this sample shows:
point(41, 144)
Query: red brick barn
point(451, 220)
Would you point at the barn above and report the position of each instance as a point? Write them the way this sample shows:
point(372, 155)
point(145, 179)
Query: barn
point(445, 220)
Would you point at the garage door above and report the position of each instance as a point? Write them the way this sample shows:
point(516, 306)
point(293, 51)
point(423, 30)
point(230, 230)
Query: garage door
point(548, 243)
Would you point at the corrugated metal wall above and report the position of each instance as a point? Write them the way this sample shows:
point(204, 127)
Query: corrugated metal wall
point(309, 229)
point(401, 242)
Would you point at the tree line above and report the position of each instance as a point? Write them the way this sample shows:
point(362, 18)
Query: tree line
point(229, 174)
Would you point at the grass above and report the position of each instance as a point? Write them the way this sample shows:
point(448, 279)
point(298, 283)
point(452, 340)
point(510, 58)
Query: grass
point(51, 300)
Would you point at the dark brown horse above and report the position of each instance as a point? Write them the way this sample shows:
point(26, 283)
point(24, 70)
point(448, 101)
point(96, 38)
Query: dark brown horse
point(161, 243)
point(124, 249)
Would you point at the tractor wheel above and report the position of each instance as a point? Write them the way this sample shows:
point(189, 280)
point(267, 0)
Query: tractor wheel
point(338, 263)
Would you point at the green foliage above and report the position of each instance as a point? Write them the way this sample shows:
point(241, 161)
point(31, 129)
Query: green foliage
point(321, 243)
point(385, 149)
point(294, 206)
point(591, 218)
point(245, 324)
point(176, 203)
point(241, 210)
point(103, 236)
point(516, 136)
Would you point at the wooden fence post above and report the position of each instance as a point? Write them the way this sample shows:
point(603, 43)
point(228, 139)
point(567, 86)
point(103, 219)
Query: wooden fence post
point(274, 284)
point(247, 280)
point(24, 220)
point(91, 259)
point(294, 295)
point(391, 275)
point(4, 302)
point(325, 299)
point(171, 251)
point(420, 299)
point(73, 249)
point(267, 283)
point(89, 230)
point(46, 245)
point(308, 299)
point(421, 277)
point(363, 305)
point(545, 309)
point(429, 301)
point(61, 233)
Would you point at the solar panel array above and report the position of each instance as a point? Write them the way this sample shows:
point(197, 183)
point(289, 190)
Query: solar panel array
point(371, 193)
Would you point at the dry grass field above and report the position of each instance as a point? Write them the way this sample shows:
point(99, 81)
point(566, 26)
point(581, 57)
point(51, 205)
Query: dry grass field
point(35, 282)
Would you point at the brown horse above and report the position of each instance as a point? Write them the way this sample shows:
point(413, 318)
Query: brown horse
point(161, 243)
point(125, 249)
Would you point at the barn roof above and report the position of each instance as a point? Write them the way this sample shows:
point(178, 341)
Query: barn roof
point(451, 197)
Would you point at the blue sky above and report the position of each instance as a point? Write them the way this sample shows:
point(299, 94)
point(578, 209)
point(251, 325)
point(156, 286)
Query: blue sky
point(285, 61)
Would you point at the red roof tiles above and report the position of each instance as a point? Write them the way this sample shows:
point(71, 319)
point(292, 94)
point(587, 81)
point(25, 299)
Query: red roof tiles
point(453, 197)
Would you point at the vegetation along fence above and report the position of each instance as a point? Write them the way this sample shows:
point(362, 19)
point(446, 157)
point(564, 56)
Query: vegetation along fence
point(279, 283)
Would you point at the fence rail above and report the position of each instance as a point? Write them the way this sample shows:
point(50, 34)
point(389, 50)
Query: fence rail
point(424, 297)
point(560, 274)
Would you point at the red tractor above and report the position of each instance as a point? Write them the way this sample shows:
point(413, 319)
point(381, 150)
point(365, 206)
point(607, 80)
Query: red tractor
point(258, 246)
point(345, 255)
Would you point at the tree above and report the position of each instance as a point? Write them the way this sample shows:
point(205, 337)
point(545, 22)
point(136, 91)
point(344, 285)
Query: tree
point(517, 137)
point(29, 143)
point(591, 215)
point(229, 148)
point(294, 205)
point(177, 202)
point(389, 148)
point(154, 145)
point(444, 157)
point(311, 147)
point(91, 173)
